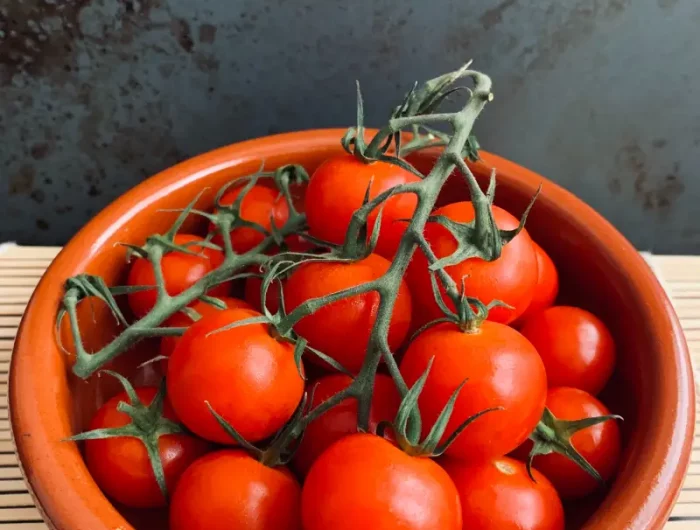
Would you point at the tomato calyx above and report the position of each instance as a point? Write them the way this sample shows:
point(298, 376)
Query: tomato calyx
point(282, 448)
point(470, 312)
point(228, 216)
point(480, 238)
point(147, 424)
point(407, 430)
point(360, 239)
point(553, 435)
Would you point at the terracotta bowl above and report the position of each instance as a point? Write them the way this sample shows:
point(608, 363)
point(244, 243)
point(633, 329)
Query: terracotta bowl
point(652, 388)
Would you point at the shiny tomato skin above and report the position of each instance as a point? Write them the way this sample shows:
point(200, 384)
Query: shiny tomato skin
point(547, 287)
point(342, 329)
point(498, 494)
point(337, 189)
point(601, 444)
point(229, 489)
point(502, 369)
point(341, 420)
point(511, 278)
point(364, 481)
point(121, 466)
point(262, 205)
point(180, 272)
point(576, 347)
point(248, 377)
point(181, 320)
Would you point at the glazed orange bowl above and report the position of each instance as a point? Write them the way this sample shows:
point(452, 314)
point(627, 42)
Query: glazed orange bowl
point(600, 271)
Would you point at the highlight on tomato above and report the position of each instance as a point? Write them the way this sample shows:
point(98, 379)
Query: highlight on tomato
point(510, 279)
point(501, 369)
point(576, 347)
point(500, 494)
point(337, 189)
point(364, 481)
point(342, 328)
point(243, 373)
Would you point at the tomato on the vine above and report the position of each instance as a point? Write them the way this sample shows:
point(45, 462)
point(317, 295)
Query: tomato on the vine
point(511, 278)
point(337, 189)
point(547, 287)
point(600, 444)
point(180, 272)
point(229, 489)
point(181, 320)
point(121, 465)
point(342, 329)
point(501, 369)
point(248, 377)
point(341, 420)
point(262, 205)
point(576, 347)
point(364, 481)
point(500, 495)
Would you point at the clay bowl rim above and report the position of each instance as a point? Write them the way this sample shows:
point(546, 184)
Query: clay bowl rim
point(80, 503)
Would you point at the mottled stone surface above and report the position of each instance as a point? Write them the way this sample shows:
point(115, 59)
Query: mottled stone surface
point(95, 95)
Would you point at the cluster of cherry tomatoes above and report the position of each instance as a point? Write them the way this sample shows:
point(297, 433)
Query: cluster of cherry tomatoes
point(528, 354)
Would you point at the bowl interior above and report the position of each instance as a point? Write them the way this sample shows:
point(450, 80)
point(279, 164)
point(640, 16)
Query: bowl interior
point(594, 276)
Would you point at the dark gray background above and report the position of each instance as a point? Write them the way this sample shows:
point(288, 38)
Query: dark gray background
point(599, 95)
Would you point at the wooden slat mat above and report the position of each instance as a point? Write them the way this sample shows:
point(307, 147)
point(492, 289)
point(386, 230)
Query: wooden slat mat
point(21, 268)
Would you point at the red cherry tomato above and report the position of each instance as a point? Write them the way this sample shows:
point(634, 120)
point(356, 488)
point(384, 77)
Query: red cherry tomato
point(341, 420)
point(502, 369)
point(500, 495)
point(229, 490)
point(600, 444)
point(181, 320)
point(248, 377)
point(363, 481)
point(342, 329)
point(511, 278)
point(121, 466)
point(576, 347)
point(547, 287)
point(180, 272)
point(262, 205)
point(337, 189)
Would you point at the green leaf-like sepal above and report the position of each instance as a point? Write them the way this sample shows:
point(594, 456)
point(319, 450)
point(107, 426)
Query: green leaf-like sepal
point(409, 438)
point(147, 425)
point(553, 435)
point(280, 450)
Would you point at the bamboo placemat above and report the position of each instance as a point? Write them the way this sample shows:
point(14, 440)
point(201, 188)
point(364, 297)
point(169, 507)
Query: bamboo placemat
point(21, 268)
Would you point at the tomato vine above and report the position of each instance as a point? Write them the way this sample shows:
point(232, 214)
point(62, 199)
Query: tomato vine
point(480, 238)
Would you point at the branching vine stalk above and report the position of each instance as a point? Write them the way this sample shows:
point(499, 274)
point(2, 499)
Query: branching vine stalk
point(387, 286)
point(166, 305)
point(479, 238)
